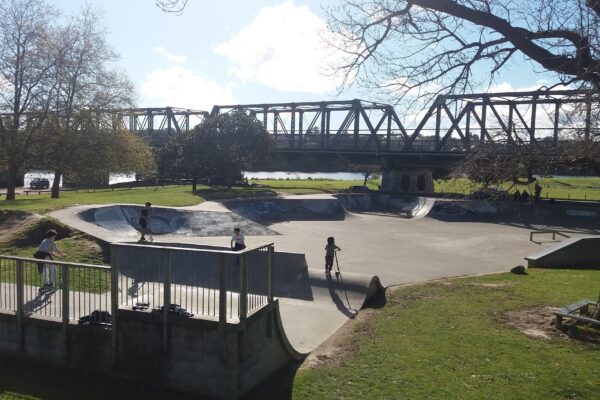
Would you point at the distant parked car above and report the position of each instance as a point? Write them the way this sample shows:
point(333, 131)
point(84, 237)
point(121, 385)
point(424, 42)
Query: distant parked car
point(39, 183)
point(359, 189)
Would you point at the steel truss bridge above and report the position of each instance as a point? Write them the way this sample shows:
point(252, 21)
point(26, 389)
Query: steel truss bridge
point(453, 125)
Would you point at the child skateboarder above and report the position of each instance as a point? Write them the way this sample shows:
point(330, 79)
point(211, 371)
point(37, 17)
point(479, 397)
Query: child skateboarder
point(330, 250)
point(45, 251)
point(145, 222)
point(237, 240)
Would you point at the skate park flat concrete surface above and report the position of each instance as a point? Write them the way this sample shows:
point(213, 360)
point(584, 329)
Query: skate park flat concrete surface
point(399, 245)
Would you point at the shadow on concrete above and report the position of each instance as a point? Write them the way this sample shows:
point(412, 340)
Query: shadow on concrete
point(337, 285)
point(38, 302)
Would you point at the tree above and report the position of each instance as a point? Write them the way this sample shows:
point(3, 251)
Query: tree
point(88, 151)
point(83, 82)
point(221, 147)
point(428, 47)
point(27, 59)
point(367, 170)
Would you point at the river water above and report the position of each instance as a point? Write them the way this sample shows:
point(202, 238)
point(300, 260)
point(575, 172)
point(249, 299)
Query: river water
point(338, 176)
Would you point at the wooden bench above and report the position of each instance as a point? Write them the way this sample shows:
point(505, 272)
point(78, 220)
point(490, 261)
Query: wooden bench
point(581, 307)
point(39, 191)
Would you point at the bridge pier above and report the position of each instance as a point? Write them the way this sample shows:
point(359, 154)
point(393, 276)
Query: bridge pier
point(408, 180)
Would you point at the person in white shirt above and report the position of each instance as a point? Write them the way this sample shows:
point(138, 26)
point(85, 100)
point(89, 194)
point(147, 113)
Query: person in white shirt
point(45, 251)
point(237, 240)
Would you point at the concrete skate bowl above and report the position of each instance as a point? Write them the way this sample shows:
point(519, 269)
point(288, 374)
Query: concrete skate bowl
point(529, 215)
point(312, 306)
point(272, 211)
point(414, 207)
point(123, 221)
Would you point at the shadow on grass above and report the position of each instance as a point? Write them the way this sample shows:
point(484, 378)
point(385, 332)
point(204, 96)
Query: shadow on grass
point(278, 386)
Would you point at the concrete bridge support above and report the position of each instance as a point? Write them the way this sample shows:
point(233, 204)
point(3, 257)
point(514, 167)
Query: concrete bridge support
point(408, 180)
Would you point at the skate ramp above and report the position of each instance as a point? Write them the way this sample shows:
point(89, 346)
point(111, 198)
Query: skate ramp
point(122, 220)
point(414, 207)
point(577, 252)
point(312, 306)
point(293, 208)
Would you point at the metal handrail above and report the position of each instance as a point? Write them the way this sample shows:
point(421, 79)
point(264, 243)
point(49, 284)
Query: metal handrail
point(552, 231)
point(53, 262)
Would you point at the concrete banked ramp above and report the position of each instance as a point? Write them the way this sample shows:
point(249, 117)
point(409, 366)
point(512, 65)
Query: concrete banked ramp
point(577, 252)
point(123, 221)
point(312, 306)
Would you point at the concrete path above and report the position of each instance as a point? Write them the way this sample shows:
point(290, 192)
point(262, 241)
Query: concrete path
point(396, 249)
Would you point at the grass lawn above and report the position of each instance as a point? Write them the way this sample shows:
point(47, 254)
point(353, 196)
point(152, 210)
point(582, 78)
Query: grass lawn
point(556, 188)
point(451, 340)
point(310, 186)
point(167, 196)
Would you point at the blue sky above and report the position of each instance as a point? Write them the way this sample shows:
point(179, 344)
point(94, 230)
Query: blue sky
point(232, 51)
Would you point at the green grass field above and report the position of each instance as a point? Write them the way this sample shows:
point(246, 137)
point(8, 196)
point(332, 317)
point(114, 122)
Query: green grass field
point(452, 340)
point(553, 188)
point(310, 186)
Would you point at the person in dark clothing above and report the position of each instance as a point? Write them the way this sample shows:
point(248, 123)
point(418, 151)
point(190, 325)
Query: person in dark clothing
point(330, 250)
point(145, 222)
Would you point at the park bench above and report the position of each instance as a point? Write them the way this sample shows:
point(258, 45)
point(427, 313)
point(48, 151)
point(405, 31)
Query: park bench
point(582, 307)
point(40, 191)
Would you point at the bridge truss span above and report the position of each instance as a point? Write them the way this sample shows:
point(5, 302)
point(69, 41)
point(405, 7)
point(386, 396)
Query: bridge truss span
point(453, 124)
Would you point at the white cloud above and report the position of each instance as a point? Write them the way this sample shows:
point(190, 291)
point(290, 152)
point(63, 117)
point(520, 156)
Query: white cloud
point(175, 58)
point(181, 87)
point(282, 48)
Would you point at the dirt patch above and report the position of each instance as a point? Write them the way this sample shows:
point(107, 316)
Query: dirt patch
point(539, 323)
point(536, 323)
point(13, 221)
point(490, 285)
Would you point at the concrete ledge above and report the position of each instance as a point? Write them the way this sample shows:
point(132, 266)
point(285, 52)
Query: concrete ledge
point(578, 252)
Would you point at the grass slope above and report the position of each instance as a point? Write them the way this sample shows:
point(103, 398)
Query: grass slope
point(450, 340)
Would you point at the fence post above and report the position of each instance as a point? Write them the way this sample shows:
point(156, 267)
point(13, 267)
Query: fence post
point(114, 305)
point(20, 301)
point(243, 289)
point(222, 290)
point(65, 307)
point(270, 274)
point(166, 264)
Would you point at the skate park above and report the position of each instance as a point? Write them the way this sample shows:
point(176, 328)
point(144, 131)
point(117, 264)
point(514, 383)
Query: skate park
point(387, 242)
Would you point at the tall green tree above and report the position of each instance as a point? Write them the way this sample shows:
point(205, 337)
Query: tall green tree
point(27, 60)
point(221, 147)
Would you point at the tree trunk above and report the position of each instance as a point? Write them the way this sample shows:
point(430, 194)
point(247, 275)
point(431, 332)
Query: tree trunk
point(366, 175)
point(11, 181)
point(194, 184)
point(56, 185)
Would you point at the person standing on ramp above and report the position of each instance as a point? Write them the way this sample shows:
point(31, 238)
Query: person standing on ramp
point(145, 222)
point(330, 250)
point(237, 240)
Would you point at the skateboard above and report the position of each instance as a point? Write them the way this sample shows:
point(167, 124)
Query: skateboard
point(141, 306)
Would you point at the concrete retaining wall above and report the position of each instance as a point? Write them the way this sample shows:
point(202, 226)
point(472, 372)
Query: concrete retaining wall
point(198, 356)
